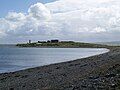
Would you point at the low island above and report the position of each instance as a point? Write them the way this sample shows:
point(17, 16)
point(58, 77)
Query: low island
point(100, 72)
point(60, 44)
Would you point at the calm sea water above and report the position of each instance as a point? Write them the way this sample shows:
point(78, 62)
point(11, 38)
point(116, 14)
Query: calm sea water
point(14, 58)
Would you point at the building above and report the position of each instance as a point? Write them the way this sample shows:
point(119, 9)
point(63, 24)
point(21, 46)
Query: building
point(49, 41)
point(41, 41)
point(54, 41)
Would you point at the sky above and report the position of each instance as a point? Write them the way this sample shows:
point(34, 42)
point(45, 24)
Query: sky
point(18, 5)
point(79, 20)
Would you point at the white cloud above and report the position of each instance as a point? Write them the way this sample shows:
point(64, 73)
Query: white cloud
point(98, 29)
point(13, 16)
point(67, 19)
point(33, 23)
point(2, 33)
point(39, 11)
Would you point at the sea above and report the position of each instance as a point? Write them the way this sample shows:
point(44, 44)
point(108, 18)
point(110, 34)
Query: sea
point(13, 58)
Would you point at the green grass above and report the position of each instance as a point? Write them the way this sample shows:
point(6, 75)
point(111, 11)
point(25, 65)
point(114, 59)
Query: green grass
point(61, 44)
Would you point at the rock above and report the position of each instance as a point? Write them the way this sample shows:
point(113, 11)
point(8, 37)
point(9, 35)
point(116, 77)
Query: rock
point(84, 86)
point(93, 77)
point(57, 68)
point(110, 75)
point(113, 85)
point(11, 89)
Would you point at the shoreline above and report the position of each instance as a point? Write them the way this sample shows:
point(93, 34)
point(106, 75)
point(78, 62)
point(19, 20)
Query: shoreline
point(65, 75)
point(102, 52)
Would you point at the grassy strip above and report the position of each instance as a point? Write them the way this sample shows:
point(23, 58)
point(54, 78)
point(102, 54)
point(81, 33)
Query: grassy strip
point(61, 44)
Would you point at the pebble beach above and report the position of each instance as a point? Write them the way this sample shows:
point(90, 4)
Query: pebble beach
point(100, 72)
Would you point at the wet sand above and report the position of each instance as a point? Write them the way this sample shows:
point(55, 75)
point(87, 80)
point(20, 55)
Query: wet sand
point(100, 72)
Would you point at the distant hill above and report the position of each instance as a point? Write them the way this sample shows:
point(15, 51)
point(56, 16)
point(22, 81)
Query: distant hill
point(7, 45)
point(112, 43)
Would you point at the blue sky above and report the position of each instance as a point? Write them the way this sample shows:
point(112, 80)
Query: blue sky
point(17, 5)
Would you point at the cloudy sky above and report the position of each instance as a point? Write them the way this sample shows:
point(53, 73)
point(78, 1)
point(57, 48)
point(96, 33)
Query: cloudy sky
point(80, 20)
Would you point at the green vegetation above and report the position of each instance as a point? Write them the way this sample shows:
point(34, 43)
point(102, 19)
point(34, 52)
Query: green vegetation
point(61, 44)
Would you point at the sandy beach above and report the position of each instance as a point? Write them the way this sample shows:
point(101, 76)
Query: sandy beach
point(100, 72)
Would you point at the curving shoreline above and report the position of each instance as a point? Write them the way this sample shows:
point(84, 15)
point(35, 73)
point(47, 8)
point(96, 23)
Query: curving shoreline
point(92, 73)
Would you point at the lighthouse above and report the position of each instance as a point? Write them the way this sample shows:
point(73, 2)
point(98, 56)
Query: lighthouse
point(29, 41)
